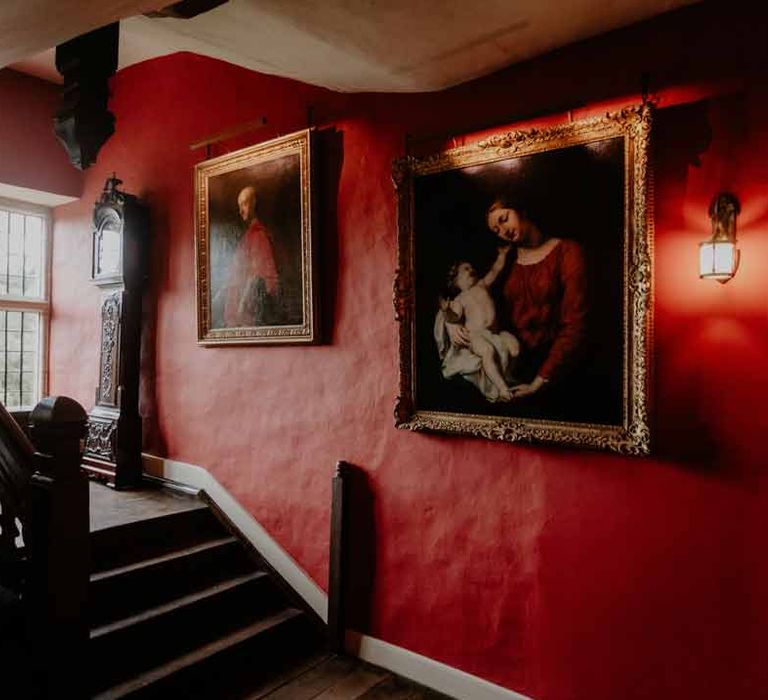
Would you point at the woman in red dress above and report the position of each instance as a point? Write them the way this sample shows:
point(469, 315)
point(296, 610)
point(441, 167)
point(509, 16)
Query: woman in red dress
point(545, 294)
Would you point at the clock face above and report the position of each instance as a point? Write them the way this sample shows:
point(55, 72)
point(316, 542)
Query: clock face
point(107, 248)
point(108, 261)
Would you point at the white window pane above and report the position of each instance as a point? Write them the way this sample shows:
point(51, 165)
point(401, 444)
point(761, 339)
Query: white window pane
point(27, 382)
point(23, 260)
point(20, 358)
point(15, 285)
point(33, 259)
point(13, 341)
point(34, 232)
point(16, 239)
point(22, 254)
point(12, 362)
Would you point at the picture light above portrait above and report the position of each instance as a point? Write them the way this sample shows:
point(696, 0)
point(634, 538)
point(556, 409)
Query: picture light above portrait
point(719, 257)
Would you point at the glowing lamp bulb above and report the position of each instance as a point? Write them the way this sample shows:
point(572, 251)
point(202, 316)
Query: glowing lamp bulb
point(719, 257)
point(718, 260)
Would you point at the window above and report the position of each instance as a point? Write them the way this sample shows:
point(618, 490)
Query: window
point(24, 305)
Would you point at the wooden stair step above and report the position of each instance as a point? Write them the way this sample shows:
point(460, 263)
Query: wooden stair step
point(180, 607)
point(174, 605)
point(195, 657)
point(161, 559)
point(132, 644)
point(126, 544)
point(125, 590)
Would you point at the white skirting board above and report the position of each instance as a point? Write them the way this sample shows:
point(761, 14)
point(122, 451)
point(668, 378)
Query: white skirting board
point(428, 672)
point(423, 670)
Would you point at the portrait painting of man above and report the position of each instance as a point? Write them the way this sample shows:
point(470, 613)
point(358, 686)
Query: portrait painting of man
point(254, 245)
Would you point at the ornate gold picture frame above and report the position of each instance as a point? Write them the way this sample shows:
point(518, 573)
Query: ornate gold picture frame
point(524, 285)
point(255, 268)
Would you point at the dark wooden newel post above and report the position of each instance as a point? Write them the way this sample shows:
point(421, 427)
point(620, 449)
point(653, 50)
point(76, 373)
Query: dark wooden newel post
point(337, 566)
point(58, 545)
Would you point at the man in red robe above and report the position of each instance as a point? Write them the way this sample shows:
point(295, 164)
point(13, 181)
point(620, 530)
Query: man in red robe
point(252, 273)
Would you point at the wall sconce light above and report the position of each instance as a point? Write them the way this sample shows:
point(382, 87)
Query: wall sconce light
point(719, 257)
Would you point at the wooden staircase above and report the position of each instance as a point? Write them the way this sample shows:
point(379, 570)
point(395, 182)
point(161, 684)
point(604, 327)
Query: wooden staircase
point(180, 608)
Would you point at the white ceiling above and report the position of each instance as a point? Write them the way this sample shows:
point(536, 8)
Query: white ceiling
point(346, 45)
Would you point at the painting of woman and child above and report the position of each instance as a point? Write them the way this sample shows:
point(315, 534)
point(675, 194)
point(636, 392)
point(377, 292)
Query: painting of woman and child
point(519, 316)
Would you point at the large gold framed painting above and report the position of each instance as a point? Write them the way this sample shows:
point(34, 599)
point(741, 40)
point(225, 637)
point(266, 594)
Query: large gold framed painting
point(523, 290)
point(254, 245)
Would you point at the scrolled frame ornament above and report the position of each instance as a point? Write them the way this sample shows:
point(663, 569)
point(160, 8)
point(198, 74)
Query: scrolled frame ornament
point(633, 435)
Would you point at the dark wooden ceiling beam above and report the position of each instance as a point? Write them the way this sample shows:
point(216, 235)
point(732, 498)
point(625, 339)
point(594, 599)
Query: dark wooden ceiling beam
point(83, 123)
point(186, 9)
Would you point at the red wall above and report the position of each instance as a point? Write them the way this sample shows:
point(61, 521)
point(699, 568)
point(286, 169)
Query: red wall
point(562, 574)
point(30, 155)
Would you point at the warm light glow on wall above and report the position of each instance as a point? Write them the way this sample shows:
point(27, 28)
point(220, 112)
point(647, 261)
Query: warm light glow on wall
point(719, 257)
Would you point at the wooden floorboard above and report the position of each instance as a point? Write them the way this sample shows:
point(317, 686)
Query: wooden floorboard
point(283, 675)
point(310, 684)
point(393, 688)
point(396, 688)
point(362, 679)
point(287, 674)
point(346, 678)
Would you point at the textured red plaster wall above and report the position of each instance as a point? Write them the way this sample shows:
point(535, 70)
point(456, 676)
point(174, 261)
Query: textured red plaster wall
point(30, 155)
point(562, 574)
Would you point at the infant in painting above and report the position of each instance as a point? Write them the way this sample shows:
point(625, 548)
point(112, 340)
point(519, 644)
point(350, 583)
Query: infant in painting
point(474, 308)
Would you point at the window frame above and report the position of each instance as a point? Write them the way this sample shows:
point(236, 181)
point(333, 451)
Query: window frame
point(42, 304)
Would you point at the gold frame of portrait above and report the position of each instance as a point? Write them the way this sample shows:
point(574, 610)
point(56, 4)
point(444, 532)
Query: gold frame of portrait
point(301, 143)
point(632, 436)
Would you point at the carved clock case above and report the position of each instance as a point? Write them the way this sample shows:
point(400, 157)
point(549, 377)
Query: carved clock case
point(119, 268)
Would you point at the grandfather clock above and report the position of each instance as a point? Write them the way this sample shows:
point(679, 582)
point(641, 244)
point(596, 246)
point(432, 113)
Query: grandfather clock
point(119, 268)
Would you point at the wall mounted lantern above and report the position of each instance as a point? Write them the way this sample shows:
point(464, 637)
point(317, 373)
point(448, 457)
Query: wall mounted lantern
point(719, 257)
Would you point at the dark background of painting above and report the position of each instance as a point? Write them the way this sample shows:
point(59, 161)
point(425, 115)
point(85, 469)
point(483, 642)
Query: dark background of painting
point(575, 193)
point(278, 206)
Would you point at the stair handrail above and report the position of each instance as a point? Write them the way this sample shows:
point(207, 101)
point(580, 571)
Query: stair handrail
point(16, 469)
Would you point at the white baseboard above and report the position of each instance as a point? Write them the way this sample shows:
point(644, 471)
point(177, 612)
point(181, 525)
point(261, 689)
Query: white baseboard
point(423, 670)
point(426, 671)
point(276, 556)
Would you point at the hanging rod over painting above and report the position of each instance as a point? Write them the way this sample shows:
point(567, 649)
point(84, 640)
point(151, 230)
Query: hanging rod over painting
point(229, 133)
